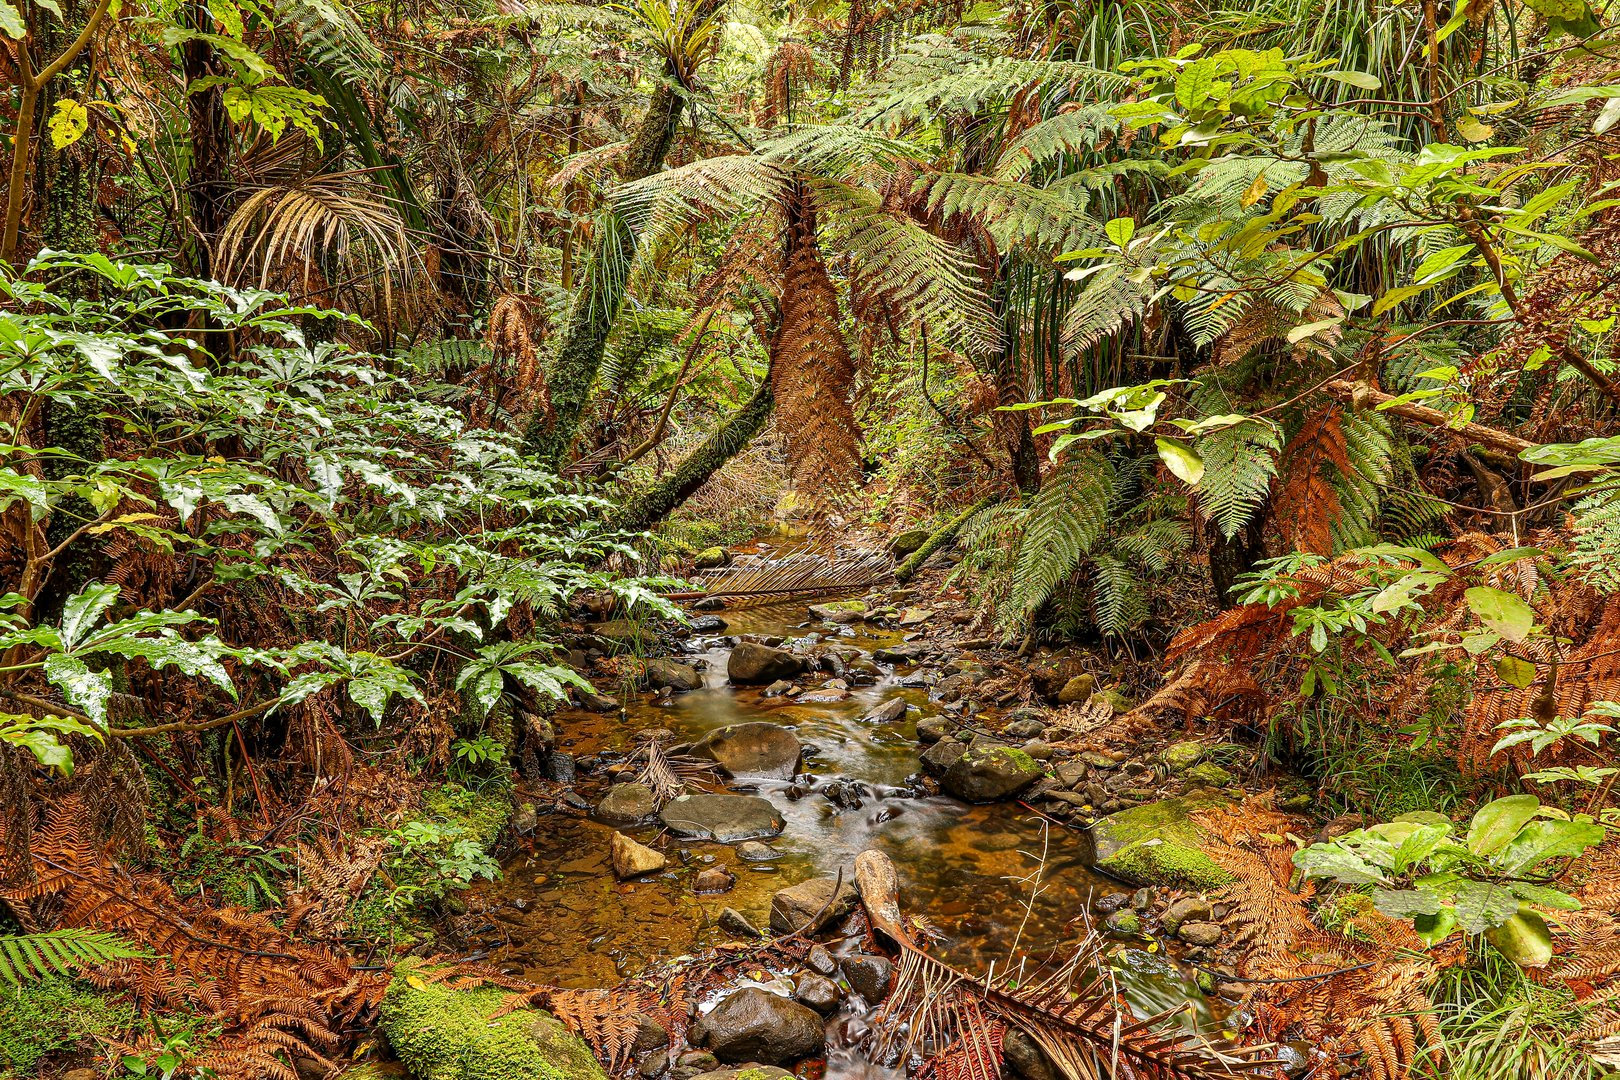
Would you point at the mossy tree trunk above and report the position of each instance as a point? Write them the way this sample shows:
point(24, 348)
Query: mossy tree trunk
point(727, 441)
point(944, 535)
point(596, 303)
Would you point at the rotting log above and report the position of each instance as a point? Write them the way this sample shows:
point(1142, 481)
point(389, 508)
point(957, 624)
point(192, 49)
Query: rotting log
point(942, 536)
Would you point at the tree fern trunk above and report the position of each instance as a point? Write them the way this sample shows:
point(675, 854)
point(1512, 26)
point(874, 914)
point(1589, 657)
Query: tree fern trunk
point(727, 441)
point(596, 304)
point(811, 368)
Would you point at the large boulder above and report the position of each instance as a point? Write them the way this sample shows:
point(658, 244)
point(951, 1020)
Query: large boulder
point(1159, 844)
point(627, 804)
point(711, 558)
point(662, 671)
point(725, 818)
point(752, 664)
point(811, 906)
point(756, 1025)
point(907, 542)
point(755, 749)
point(987, 774)
point(1050, 674)
point(440, 1033)
point(944, 753)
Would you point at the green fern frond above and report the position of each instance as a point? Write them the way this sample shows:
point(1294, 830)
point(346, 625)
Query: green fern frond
point(1073, 132)
point(1118, 596)
point(1107, 304)
point(1596, 521)
point(667, 202)
point(1369, 448)
point(445, 356)
point(1066, 519)
point(1015, 213)
point(1239, 465)
point(29, 957)
point(919, 272)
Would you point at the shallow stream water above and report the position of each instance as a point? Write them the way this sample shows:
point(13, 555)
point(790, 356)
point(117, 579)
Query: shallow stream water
point(993, 880)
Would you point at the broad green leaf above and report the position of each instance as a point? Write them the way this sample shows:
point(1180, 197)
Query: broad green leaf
point(1481, 905)
point(1524, 939)
point(1120, 230)
point(11, 21)
point(1499, 821)
point(1359, 79)
point(1406, 903)
point(83, 610)
point(1300, 333)
point(1542, 840)
point(1194, 83)
point(1608, 116)
point(1503, 612)
point(1337, 862)
point(86, 690)
point(1515, 672)
point(1181, 460)
point(1473, 129)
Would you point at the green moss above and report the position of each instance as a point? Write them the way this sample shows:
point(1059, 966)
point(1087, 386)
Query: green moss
point(444, 1034)
point(54, 1015)
point(1182, 756)
point(1209, 773)
point(480, 812)
point(1158, 844)
point(1015, 757)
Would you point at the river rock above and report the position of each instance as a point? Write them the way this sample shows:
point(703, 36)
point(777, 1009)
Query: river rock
point(754, 851)
point(839, 611)
point(591, 701)
point(1187, 909)
point(631, 859)
point(724, 818)
point(751, 1070)
point(1181, 756)
point(1078, 689)
point(1159, 844)
point(560, 767)
point(811, 906)
point(777, 689)
point(661, 671)
point(898, 654)
point(1024, 729)
point(737, 925)
point(708, 624)
point(627, 804)
point(1200, 933)
point(986, 774)
point(818, 992)
point(931, 729)
point(625, 635)
point(756, 749)
point(1025, 1057)
point(868, 976)
point(757, 1025)
point(711, 558)
point(1208, 774)
point(650, 1036)
point(888, 712)
point(709, 603)
point(939, 758)
point(752, 664)
point(713, 881)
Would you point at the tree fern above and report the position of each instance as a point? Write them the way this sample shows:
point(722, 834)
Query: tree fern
point(1239, 465)
point(1369, 451)
point(1016, 213)
point(1118, 596)
point(29, 957)
point(1072, 132)
point(1065, 521)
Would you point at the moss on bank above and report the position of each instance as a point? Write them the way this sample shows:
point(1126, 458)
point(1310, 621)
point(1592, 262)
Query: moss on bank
point(52, 1016)
point(442, 1033)
point(1158, 844)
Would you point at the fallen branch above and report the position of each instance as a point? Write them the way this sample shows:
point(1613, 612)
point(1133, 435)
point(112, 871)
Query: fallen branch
point(1361, 394)
point(944, 535)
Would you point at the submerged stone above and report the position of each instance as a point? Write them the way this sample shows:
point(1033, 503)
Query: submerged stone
point(724, 818)
point(753, 664)
point(757, 749)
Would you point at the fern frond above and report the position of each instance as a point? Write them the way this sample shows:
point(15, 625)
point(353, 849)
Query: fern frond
point(1117, 596)
point(1239, 465)
point(1065, 521)
point(1015, 213)
point(1073, 131)
point(30, 957)
point(446, 356)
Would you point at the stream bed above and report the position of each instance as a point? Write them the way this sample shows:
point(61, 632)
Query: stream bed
point(992, 880)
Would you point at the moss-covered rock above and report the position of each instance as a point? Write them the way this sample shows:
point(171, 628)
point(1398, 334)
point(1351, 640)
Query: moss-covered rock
point(1181, 756)
point(988, 773)
point(1159, 844)
point(442, 1033)
point(1209, 774)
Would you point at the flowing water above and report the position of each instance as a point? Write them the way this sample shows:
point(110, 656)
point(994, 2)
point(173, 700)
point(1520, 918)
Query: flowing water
point(991, 879)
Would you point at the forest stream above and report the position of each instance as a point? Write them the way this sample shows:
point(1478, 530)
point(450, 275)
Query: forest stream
point(994, 880)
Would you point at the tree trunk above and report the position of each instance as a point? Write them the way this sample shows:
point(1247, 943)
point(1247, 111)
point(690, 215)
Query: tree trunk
point(1231, 559)
point(596, 303)
point(207, 184)
point(727, 441)
point(944, 535)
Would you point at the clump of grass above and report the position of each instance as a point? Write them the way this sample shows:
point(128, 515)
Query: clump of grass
point(52, 1016)
point(1499, 1025)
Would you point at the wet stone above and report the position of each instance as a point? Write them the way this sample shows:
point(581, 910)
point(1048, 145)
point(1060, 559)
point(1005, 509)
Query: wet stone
point(888, 712)
point(627, 804)
point(868, 976)
point(737, 925)
point(752, 664)
point(820, 961)
point(756, 749)
point(559, 767)
point(714, 880)
point(811, 906)
point(754, 851)
point(818, 992)
point(1200, 933)
point(757, 1025)
point(940, 757)
point(709, 624)
point(933, 728)
point(724, 818)
point(631, 859)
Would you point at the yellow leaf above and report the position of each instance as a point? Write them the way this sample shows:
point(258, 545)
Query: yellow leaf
point(1473, 130)
point(416, 982)
point(68, 123)
point(1256, 192)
